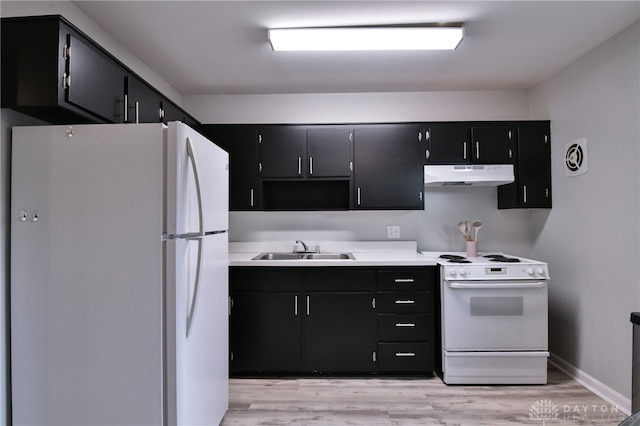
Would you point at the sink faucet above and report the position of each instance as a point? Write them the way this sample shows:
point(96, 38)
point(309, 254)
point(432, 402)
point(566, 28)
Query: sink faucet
point(306, 249)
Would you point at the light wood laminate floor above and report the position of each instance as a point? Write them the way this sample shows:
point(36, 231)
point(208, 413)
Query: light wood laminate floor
point(404, 402)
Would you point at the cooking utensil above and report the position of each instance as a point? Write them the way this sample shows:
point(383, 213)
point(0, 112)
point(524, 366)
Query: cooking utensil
point(462, 227)
point(476, 227)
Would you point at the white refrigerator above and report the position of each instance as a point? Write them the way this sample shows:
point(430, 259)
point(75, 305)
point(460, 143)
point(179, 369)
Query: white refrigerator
point(119, 276)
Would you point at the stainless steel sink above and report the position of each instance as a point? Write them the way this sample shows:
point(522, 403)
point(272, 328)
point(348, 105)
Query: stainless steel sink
point(329, 256)
point(303, 256)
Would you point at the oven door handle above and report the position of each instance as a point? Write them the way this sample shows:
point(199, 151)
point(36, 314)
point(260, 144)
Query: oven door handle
point(537, 284)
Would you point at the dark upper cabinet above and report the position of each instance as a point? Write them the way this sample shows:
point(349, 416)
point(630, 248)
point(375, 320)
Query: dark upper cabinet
point(282, 151)
point(240, 142)
point(447, 143)
point(388, 167)
point(468, 142)
point(329, 152)
point(93, 81)
point(171, 112)
point(532, 186)
point(54, 72)
point(493, 144)
point(143, 102)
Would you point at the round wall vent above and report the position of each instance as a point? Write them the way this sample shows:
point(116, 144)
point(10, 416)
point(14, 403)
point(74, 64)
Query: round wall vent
point(576, 157)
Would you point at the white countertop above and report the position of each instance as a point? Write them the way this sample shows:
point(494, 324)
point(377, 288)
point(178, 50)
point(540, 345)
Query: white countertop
point(366, 253)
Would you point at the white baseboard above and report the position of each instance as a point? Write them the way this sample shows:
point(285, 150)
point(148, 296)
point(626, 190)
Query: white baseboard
point(603, 391)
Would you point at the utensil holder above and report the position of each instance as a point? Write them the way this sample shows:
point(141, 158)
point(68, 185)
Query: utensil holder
point(472, 249)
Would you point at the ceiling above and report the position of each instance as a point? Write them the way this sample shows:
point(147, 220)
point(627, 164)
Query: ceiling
point(221, 47)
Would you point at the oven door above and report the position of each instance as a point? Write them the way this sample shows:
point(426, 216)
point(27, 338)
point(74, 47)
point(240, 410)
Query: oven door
point(494, 315)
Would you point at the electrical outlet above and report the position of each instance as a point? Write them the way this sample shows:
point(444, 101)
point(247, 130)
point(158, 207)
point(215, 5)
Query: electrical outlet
point(393, 231)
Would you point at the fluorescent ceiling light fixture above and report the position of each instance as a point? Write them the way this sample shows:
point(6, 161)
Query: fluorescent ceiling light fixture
point(367, 38)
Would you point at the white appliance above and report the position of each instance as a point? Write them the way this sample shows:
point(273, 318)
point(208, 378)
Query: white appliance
point(494, 318)
point(468, 175)
point(119, 276)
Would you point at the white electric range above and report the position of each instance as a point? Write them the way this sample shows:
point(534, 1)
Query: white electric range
point(494, 319)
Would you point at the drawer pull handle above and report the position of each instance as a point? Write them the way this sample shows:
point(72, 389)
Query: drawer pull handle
point(406, 354)
point(405, 302)
point(404, 280)
point(405, 324)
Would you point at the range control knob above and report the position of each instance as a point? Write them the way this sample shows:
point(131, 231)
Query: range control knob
point(540, 271)
point(530, 271)
point(463, 271)
point(451, 271)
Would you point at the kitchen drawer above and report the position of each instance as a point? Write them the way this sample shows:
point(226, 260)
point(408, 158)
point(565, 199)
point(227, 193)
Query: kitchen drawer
point(405, 302)
point(338, 279)
point(405, 357)
point(404, 328)
point(264, 279)
point(407, 279)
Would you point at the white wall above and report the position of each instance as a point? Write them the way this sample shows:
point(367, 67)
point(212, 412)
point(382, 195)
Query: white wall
point(591, 236)
point(433, 228)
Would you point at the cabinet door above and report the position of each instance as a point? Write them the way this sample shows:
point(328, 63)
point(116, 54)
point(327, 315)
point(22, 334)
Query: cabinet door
point(95, 82)
point(493, 145)
point(339, 332)
point(388, 167)
point(534, 166)
point(448, 143)
point(329, 151)
point(143, 102)
point(240, 142)
point(282, 151)
point(532, 187)
point(265, 332)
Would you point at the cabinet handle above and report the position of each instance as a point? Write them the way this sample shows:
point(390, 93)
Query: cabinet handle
point(405, 302)
point(137, 112)
point(404, 280)
point(307, 305)
point(524, 190)
point(405, 324)
point(358, 191)
point(427, 154)
point(251, 197)
point(510, 154)
point(295, 305)
point(546, 192)
point(299, 165)
point(406, 354)
point(477, 150)
point(126, 108)
point(310, 165)
point(464, 150)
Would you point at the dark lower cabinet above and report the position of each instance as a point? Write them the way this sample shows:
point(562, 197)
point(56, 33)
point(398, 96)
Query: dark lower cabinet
point(331, 320)
point(406, 320)
point(339, 333)
point(265, 332)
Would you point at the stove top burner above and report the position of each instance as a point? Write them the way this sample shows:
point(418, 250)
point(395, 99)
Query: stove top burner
point(454, 258)
point(501, 258)
point(451, 257)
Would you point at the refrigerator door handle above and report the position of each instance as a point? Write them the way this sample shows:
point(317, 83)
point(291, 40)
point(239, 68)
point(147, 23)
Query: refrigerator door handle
point(194, 297)
point(196, 177)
